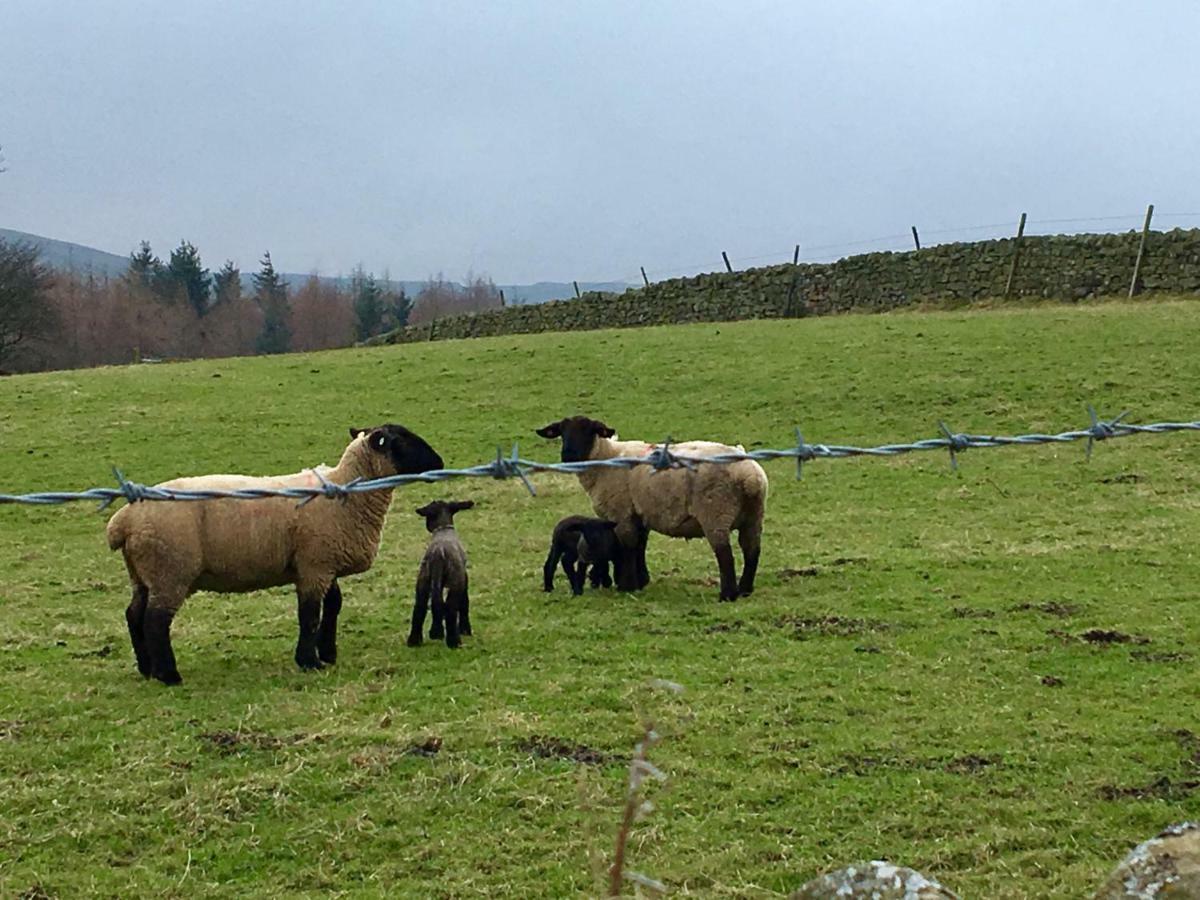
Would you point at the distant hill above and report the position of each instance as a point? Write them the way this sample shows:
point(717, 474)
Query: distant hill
point(68, 257)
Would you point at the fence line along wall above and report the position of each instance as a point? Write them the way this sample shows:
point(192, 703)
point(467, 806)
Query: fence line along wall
point(1069, 267)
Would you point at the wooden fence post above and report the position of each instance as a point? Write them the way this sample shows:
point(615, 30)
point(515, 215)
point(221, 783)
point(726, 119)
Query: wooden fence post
point(576, 283)
point(916, 237)
point(728, 267)
point(1137, 266)
point(502, 296)
point(796, 255)
point(1016, 256)
point(644, 278)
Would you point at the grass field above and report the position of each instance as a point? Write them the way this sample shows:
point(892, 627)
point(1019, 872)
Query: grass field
point(909, 681)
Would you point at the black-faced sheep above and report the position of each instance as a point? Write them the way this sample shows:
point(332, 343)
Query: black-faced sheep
point(580, 542)
point(443, 569)
point(709, 501)
point(174, 548)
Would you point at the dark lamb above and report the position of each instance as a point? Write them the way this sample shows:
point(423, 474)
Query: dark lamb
point(443, 571)
point(580, 542)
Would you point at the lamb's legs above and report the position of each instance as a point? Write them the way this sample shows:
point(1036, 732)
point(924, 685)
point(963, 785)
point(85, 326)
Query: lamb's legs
point(600, 576)
point(437, 629)
point(719, 541)
point(160, 610)
point(327, 632)
point(750, 540)
point(548, 568)
point(464, 611)
point(308, 610)
point(420, 605)
point(135, 615)
point(452, 610)
point(572, 566)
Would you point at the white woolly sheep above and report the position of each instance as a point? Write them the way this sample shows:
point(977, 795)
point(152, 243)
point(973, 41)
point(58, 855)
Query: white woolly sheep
point(443, 569)
point(711, 501)
point(174, 548)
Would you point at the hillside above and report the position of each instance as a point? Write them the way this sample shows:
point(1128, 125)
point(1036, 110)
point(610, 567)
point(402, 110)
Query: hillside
point(988, 675)
point(65, 256)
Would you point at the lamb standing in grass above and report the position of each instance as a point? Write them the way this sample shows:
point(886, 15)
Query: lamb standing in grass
point(443, 568)
point(711, 501)
point(174, 548)
point(580, 542)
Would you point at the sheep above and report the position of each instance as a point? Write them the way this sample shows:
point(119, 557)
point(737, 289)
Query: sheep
point(174, 548)
point(712, 501)
point(581, 542)
point(443, 568)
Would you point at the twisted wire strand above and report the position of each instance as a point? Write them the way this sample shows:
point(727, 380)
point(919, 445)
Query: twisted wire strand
point(660, 456)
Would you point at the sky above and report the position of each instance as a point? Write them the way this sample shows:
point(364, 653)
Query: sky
point(532, 141)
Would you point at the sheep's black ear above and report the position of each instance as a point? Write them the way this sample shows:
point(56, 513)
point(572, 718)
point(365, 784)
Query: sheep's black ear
point(601, 429)
point(460, 505)
point(553, 430)
point(425, 510)
point(355, 432)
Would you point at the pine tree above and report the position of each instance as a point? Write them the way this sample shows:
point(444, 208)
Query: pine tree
point(399, 305)
point(368, 304)
point(227, 284)
point(189, 276)
point(271, 293)
point(144, 266)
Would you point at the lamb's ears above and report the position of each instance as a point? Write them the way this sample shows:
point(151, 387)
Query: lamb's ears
point(425, 511)
point(601, 429)
point(553, 430)
point(460, 505)
point(355, 432)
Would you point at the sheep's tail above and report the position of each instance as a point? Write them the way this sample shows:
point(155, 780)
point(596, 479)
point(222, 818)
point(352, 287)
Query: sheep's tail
point(118, 530)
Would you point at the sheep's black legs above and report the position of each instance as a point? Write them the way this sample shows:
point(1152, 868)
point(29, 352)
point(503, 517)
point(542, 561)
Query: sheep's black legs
point(157, 632)
point(437, 629)
point(548, 568)
point(626, 568)
point(451, 610)
point(750, 540)
point(135, 615)
point(420, 605)
point(643, 573)
point(464, 611)
point(308, 608)
point(719, 541)
point(600, 576)
point(327, 632)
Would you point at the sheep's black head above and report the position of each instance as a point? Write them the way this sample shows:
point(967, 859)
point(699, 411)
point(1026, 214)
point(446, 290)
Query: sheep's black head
point(578, 434)
point(405, 452)
point(440, 513)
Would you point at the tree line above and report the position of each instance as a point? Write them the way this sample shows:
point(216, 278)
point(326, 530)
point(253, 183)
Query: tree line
point(179, 309)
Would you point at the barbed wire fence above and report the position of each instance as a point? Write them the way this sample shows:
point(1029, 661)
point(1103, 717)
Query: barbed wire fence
point(659, 456)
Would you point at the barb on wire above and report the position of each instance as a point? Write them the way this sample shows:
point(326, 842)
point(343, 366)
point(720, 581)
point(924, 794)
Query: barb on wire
point(660, 457)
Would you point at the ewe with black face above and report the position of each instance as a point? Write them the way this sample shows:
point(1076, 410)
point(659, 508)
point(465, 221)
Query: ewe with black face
point(174, 548)
point(711, 501)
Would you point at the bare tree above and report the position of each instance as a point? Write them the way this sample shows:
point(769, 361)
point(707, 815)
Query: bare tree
point(25, 314)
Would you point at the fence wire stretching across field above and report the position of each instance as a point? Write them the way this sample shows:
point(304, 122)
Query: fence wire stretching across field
point(660, 456)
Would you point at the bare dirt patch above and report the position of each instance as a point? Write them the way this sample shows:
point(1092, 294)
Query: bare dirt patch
point(969, 612)
point(237, 741)
point(837, 626)
point(545, 747)
point(1049, 607)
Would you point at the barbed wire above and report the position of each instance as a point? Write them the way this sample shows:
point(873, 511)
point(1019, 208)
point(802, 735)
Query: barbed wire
point(659, 456)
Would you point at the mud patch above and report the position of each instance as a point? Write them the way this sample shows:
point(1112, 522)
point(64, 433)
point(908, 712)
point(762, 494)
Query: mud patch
point(1166, 656)
point(720, 627)
point(1103, 636)
point(10, 728)
point(970, 764)
point(1052, 681)
point(431, 746)
point(1162, 788)
point(806, 572)
point(1050, 608)
point(1123, 478)
point(836, 626)
point(863, 764)
point(968, 612)
point(556, 748)
point(237, 741)
point(100, 652)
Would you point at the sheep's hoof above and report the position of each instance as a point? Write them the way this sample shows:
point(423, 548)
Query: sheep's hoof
point(309, 663)
point(732, 598)
point(436, 635)
point(327, 655)
point(548, 588)
point(170, 678)
point(453, 644)
point(415, 640)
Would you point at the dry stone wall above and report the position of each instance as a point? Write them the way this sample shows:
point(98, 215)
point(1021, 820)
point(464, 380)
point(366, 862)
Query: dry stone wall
point(1071, 267)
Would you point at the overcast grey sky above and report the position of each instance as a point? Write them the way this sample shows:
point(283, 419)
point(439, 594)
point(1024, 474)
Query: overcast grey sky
point(558, 140)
